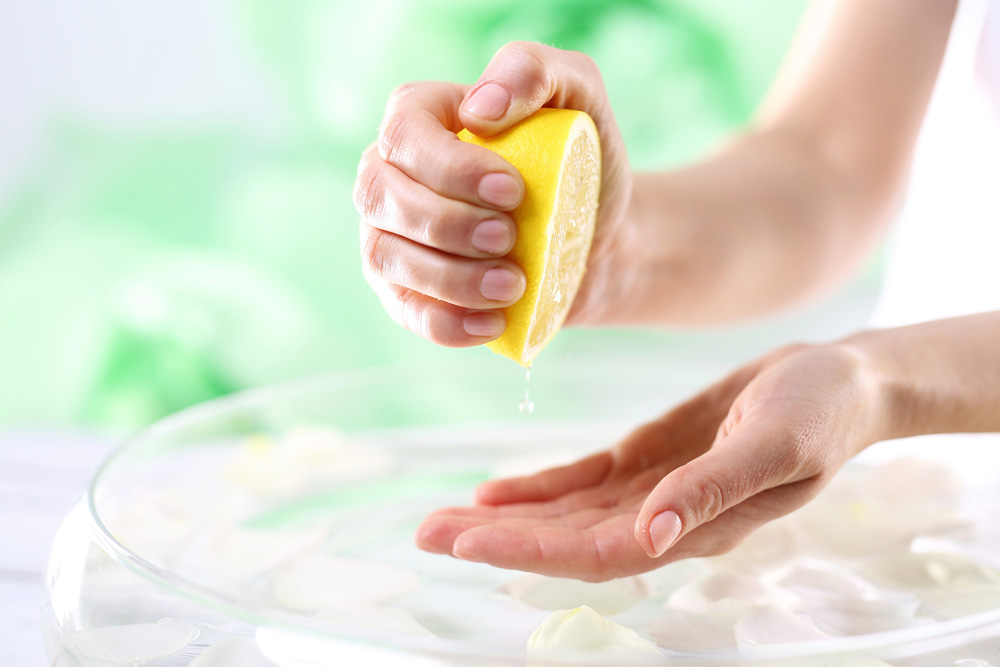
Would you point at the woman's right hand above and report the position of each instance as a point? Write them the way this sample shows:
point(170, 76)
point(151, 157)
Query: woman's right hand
point(435, 211)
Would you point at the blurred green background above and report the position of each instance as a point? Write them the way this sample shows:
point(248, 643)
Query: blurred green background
point(176, 219)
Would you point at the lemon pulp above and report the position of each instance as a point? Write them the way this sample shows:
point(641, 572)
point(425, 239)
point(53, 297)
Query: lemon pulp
point(558, 153)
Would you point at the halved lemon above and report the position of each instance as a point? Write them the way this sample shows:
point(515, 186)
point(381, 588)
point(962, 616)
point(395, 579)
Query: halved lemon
point(558, 154)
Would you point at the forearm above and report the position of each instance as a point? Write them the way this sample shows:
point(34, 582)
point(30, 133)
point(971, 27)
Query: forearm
point(760, 226)
point(936, 377)
point(795, 205)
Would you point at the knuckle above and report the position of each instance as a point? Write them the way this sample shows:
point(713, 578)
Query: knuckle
point(394, 135)
point(433, 230)
point(601, 571)
point(377, 251)
point(368, 192)
point(440, 329)
point(528, 56)
point(447, 226)
point(789, 350)
point(402, 91)
point(582, 62)
point(711, 495)
point(412, 312)
point(424, 318)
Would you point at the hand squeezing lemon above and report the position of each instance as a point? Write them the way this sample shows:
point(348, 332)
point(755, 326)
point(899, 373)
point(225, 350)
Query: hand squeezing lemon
point(558, 154)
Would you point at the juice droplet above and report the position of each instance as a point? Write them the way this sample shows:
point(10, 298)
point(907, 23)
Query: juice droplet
point(526, 405)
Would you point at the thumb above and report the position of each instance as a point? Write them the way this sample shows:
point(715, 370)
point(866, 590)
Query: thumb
point(523, 77)
point(739, 466)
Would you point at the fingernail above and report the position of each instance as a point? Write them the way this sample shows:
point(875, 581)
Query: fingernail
point(482, 324)
point(489, 102)
point(663, 531)
point(501, 285)
point(492, 236)
point(501, 190)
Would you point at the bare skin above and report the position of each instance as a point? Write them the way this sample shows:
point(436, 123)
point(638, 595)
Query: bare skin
point(753, 447)
point(785, 211)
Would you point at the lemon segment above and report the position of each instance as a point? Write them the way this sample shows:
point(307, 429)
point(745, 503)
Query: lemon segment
point(558, 153)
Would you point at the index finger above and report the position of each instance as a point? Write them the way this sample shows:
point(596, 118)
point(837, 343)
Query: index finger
point(598, 553)
point(418, 136)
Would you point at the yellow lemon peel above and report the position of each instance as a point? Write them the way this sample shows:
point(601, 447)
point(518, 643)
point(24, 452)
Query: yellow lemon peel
point(558, 153)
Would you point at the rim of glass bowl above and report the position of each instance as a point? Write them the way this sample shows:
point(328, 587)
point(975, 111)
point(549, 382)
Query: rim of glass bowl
point(913, 640)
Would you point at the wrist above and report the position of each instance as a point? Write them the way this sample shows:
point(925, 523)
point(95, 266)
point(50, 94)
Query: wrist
point(672, 255)
point(642, 268)
point(880, 389)
point(941, 376)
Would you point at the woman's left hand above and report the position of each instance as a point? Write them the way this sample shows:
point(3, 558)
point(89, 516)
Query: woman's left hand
point(695, 482)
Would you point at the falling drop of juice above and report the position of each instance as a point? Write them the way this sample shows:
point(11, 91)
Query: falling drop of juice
point(526, 405)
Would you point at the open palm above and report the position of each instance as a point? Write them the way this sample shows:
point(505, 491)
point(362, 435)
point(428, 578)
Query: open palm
point(695, 482)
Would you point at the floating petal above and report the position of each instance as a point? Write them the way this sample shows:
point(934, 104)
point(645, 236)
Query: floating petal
point(129, 644)
point(770, 625)
point(319, 581)
point(233, 652)
point(551, 593)
point(583, 630)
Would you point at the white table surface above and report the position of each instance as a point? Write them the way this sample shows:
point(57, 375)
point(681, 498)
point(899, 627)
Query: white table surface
point(42, 474)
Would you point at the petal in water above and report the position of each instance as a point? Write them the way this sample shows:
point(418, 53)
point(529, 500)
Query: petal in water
point(851, 616)
point(317, 582)
point(916, 571)
point(551, 593)
point(852, 528)
point(959, 602)
point(873, 510)
point(729, 592)
point(383, 619)
point(584, 631)
point(769, 547)
point(129, 644)
point(305, 458)
point(226, 552)
point(813, 577)
point(686, 631)
point(233, 652)
point(844, 603)
point(770, 625)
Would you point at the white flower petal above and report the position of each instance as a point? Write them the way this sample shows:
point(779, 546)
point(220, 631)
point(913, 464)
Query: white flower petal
point(384, 619)
point(225, 551)
point(129, 644)
point(814, 577)
point(667, 579)
point(920, 482)
point(306, 457)
point(686, 631)
point(770, 546)
point(917, 571)
point(729, 592)
point(770, 625)
point(551, 593)
point(852, 528)
point(233, 652)
point(292, 648)
point(584, 630)
point(959, 602)
point(320, 581)
point(851, 616)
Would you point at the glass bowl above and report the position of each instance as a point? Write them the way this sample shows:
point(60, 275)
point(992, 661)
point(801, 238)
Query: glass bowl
point(275, 527)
